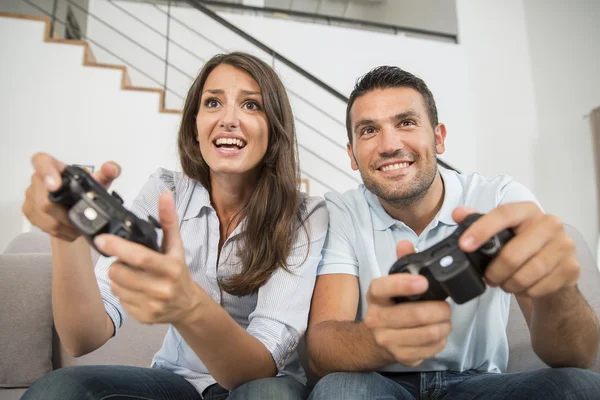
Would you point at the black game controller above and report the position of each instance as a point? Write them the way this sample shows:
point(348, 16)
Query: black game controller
point(93, 211)
point(449, 270)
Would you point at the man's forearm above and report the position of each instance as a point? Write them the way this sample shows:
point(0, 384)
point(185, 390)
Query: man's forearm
point(564, 329)
point(336, 346)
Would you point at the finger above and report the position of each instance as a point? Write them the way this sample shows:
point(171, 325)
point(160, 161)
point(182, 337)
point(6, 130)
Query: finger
point(537, 267)
point(48, 169)
point(53, 227)
point(382, 290)
point(404, 247)
point(172, 242)
point(130, 253)
point(523, 247)
point(512, 215)
point(136, 280)
point(565, 275)
point(108, 172)
point(421, 336)
point(460, 213)
point(408, 315)
point(412, 356)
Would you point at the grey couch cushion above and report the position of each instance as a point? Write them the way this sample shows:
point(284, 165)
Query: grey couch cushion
point(26, 315)
point(522, 357)
point(29, 242)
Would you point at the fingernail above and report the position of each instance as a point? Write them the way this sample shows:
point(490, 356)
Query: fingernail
point(99, 242)
point(468, 242)
point(116, 168)
point(419, 283)
point(50, 183)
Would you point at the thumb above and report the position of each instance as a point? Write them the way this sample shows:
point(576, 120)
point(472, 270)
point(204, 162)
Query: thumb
point(108, 172)
point(403, 248)
point(172, 243)
point(460, 213)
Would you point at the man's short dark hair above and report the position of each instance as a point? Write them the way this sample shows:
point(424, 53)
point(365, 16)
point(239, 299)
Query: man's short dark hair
point(386, 77)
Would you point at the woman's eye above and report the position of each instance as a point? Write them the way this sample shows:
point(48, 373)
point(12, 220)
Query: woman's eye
point(211, 103)
point(251, 105)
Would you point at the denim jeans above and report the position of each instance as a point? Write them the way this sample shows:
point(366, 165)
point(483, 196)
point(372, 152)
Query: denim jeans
point(121, 382)
point(555, 383)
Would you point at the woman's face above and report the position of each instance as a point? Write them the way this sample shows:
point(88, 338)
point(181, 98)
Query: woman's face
point(233, 131)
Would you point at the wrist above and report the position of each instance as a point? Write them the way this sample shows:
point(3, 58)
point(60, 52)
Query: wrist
point(200, 306)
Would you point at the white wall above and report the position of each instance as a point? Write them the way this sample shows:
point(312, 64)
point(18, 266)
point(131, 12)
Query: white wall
point(564, 44)
point(51, 103)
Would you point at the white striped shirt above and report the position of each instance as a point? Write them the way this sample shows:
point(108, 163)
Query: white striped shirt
point(276, 315)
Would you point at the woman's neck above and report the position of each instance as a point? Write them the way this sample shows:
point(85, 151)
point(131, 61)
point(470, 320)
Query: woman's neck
point(228, 195)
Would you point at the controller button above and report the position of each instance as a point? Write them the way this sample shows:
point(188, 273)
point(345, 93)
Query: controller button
point(90, 213)
point(446, 261)
point(116, 196)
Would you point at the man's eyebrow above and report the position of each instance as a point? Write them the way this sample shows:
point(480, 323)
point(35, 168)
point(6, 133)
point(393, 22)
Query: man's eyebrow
point(363, 122)
point(407, 114)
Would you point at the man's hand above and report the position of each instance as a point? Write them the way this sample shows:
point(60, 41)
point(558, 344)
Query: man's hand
point(538, 261)
point(154, 287)
point(411, 332)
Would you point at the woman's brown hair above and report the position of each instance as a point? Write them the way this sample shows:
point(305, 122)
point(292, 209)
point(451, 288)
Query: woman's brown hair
point(274, 211)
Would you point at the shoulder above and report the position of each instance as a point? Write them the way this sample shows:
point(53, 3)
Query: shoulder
point(484, 194)
point(351, 201)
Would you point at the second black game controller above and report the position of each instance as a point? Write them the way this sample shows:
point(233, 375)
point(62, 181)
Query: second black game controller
point(93, 211)
point(449, 270)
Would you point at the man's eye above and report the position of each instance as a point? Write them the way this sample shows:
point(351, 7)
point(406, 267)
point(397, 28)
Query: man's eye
point(211, 103)
point(408, 123)
point(368, 131)
point(251, 105)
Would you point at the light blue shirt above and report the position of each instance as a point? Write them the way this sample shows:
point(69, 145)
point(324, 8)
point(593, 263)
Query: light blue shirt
point(362, 241)
point(276, 315)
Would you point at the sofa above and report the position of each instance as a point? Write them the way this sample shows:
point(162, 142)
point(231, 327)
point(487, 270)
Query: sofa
point(30, 347)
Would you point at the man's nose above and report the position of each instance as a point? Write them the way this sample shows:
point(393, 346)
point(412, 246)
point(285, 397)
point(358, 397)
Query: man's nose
point(390, 141)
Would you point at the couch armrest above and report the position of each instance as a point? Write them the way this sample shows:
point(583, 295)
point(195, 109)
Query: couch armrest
point(26, 318)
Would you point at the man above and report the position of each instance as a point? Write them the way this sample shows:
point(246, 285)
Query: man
point(407, 203)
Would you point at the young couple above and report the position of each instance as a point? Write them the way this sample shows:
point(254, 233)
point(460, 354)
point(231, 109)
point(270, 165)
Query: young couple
point(249, 264)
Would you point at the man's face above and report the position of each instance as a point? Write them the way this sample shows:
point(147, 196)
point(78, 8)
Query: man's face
point(394, 145)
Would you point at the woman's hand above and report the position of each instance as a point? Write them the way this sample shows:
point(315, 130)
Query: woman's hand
point(154, 287)
point(40, 211)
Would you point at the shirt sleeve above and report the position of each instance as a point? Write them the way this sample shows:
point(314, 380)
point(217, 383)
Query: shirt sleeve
point(145, 204)
point(339, 255)
point(281, 314)
point(515, 192)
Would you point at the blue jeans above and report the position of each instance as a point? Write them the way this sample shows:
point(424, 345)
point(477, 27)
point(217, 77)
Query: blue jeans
point(555, 383)
point(122, 382)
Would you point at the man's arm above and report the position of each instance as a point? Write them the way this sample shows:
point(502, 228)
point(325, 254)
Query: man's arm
point(539, 265)
point(575, 326)
point(335, 341)
point(405, 333)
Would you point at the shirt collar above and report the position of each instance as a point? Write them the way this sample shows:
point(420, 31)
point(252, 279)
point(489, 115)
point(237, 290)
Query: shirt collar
point(198, 200)
point(453, 197)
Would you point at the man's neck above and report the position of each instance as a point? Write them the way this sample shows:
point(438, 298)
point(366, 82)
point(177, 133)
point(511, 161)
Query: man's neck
point(419, 214)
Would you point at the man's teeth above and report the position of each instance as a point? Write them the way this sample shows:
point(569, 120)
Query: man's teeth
point(393, 167)
point(237, 142)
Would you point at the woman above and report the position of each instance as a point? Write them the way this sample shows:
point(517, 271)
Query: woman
point(240, 247)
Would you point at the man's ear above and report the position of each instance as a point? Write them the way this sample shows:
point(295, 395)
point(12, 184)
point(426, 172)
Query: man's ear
point(440, 138)
point(353, 163)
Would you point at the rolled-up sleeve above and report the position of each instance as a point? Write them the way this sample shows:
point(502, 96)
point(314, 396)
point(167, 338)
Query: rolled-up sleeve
point(145, 204)
point(339, 255)
point(281, 314)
